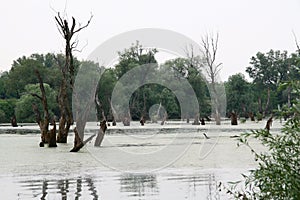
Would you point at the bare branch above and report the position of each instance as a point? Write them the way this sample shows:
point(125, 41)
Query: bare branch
point(86, 25)
point(296, 41)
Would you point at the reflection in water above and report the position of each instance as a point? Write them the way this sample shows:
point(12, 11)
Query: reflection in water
point(179, 185)
point(139, 185)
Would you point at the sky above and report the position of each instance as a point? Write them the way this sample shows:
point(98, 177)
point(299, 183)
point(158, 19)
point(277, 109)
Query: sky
point(245, 27)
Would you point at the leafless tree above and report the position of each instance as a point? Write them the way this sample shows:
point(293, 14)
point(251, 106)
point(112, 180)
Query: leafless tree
point(209, 44)
point(68, 73)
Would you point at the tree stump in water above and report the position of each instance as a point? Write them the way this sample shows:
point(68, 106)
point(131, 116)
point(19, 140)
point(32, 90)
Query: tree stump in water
point(233, 117)
point(269, 124)
point(14, 121)
point(196, 120)
point(52, 135)
point(202, 121)
point(126, 121)
point(251, 115)
point(142, 121)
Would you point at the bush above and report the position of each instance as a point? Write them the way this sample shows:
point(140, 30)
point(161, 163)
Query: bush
point(278, 173)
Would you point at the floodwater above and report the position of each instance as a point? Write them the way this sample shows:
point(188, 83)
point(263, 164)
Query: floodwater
point(174, 161)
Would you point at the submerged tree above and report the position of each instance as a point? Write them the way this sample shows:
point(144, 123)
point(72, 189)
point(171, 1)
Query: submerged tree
point(212, 68)
point(68, 31)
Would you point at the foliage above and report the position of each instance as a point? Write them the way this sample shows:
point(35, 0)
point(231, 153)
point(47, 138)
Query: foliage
point(239, 95)
point(24, 112)
point(278, 173)
point(7, 109)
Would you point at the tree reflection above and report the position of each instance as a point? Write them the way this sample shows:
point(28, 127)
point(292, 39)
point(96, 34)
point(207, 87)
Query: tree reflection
point(139, 184)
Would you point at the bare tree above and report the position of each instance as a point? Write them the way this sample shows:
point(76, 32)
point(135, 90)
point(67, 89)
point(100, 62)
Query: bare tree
point(68, 72)
point(209, 50)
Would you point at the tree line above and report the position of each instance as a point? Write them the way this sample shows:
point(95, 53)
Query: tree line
point(270, 72)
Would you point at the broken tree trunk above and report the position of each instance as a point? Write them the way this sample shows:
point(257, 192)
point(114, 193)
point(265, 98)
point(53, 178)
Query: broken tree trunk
point(100, 134)
point(52, 135)
point(78, 143)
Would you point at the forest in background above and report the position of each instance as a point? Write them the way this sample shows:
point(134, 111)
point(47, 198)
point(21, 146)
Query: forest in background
point(266, 92)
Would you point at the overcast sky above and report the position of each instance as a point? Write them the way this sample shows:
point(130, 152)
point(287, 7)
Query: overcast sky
point(245, 26)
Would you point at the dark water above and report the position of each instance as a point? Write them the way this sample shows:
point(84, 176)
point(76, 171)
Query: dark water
point(114, 186)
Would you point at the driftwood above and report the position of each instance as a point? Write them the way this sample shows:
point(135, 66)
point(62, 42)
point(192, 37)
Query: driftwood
point(100, 134)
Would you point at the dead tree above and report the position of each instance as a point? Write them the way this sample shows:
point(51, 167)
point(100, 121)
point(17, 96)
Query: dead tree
point(68, 73)
point(100, 134)
point(212, 69)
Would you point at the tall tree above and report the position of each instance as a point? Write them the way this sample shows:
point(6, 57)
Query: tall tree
point(239, 95)
point(268, 71)
point(209, 50)
point(68, 73)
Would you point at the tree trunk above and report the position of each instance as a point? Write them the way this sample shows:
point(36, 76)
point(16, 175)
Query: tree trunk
point(52, 135)
point(164, 118)
point(68, 73)
point(78, 142)
point(233, 118)
point(14, 121)
point(267, 104)
point(100, 134)
point(196, 120)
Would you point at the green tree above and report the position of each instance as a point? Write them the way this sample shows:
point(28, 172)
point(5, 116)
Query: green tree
point(268, 71)
point(277, 175)
point(7, 107)
point(239, 95)
point(24, 111)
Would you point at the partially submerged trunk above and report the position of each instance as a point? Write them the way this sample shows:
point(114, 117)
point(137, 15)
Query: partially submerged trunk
point(46, 136)
point(164, 118)
point(196, 120)
point(78, 142)
point(100, 134)
point(202, 121)
point(14, 121)
point(142, 121)
point(251, 115)
point(269, 124)
point(233, 118)
point(68, 74)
